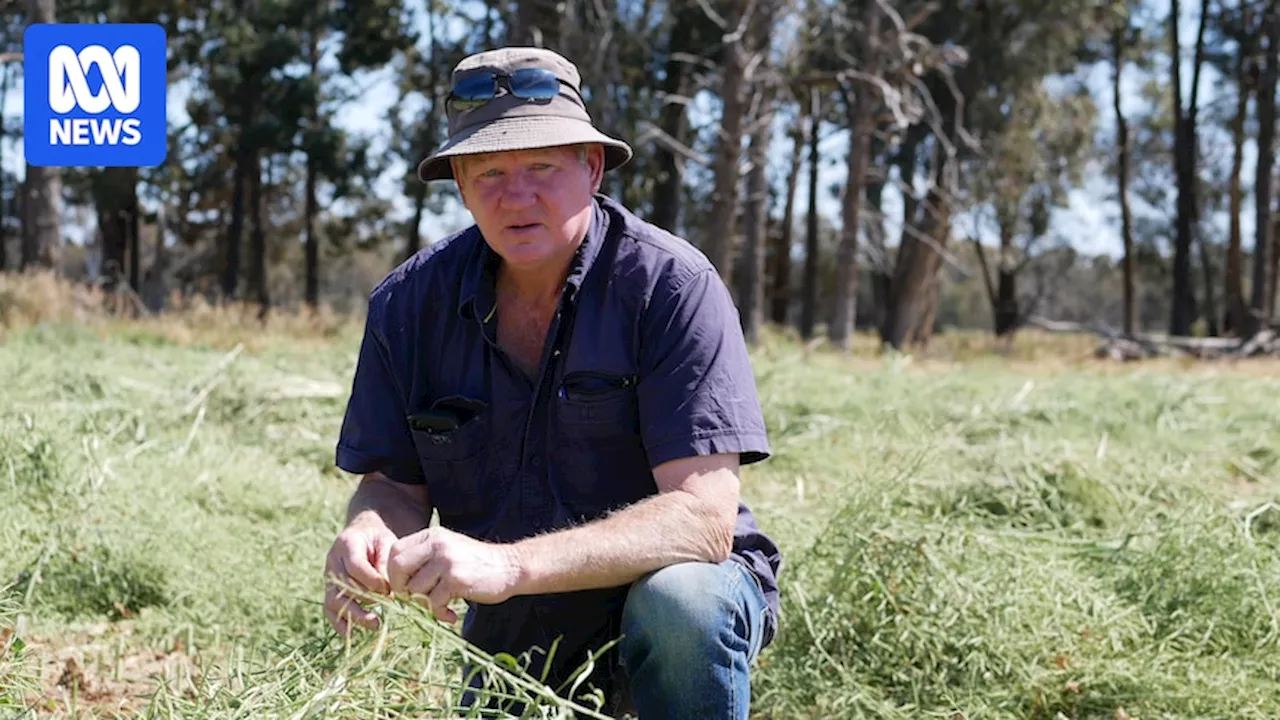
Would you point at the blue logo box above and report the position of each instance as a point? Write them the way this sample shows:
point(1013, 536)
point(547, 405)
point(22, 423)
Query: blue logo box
point(95, 95)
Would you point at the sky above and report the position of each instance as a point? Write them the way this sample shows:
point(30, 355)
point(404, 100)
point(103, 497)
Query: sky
point(1090, 221)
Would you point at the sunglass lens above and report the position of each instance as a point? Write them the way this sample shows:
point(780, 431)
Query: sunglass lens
point(473, 91)
point(534, 84)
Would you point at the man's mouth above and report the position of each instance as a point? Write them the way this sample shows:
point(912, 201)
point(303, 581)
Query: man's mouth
point(527, 226)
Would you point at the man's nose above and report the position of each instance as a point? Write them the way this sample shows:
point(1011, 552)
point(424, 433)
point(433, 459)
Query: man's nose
point(518, 191)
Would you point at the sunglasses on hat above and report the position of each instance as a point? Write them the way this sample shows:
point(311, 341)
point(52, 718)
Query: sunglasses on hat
point(473, 91)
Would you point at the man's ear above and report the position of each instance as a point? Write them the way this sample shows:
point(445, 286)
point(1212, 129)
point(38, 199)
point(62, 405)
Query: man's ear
point(595, 161)
point(458, 177)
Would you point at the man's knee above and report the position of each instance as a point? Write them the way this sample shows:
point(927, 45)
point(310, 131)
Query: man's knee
point(678, 608)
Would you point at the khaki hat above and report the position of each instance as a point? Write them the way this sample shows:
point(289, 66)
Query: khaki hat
point(509, 122)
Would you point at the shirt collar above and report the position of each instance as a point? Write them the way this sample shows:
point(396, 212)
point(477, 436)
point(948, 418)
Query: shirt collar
point(478, 295)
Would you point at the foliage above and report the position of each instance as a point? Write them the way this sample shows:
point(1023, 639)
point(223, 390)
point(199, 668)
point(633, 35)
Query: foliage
point(997, 538)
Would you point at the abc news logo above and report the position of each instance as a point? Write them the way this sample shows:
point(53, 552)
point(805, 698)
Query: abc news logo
point(69, 89)
point(95, 95)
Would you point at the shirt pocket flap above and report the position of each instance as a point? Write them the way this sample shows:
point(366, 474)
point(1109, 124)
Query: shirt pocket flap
point(595, 402)
point(457, 473)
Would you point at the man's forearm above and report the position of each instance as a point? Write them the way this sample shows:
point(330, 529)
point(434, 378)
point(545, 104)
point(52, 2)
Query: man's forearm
point(659, 531)
point(404, 509)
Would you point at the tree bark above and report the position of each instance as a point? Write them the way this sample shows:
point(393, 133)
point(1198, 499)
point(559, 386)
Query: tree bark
point(1259, 316)
point(1210, 303)
point(842, 328)
point(721, 225)
point(110, 205)
point(672, 120)
point(756, 211)
point(311, 244)
point(1006, 296)
point(755, 223)
point(42, 192)
point(809, 287)
point(1273, 278)
point(913, 299)
point(6, 72)
point(780, 271)
point(1126, 219)
point(132, 211)
point(258, 239)
point(245, 158)
point(42, 217)
point(1183, 308)
point(907, 160)
point(1236, 318)
point(876, 236)
point(537, 24)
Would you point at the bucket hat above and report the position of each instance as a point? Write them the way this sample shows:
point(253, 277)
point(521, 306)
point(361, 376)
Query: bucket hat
point(516, 98)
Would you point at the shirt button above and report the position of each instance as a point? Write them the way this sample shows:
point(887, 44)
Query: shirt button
point(536, 461)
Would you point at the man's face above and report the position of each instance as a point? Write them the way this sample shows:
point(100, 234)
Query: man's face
point(533, 206)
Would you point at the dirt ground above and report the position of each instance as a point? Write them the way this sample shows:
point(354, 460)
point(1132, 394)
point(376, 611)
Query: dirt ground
point(102, 672)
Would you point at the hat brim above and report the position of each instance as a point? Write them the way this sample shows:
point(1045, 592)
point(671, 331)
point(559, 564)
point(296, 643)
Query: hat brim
point(521, 133)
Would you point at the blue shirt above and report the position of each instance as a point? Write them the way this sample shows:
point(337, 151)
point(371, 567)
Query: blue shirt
point(646, 363)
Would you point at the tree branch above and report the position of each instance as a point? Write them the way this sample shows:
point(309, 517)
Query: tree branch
point(652, 133)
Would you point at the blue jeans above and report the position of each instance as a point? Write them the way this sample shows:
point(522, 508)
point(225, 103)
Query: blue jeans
point(690, 635)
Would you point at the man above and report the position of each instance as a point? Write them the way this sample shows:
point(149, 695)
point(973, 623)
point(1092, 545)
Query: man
point(568, 387)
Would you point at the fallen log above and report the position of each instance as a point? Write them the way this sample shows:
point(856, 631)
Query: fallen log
point(1118, 346)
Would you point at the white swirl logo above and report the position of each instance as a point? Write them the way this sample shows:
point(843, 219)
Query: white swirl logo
point(69, 86)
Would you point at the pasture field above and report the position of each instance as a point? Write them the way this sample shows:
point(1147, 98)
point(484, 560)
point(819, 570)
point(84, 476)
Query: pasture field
point(976, 537)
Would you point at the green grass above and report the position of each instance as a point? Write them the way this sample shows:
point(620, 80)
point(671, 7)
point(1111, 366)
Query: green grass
point(986, 539)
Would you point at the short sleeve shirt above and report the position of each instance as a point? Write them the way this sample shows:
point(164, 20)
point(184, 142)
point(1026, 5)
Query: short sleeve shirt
point(645, 363)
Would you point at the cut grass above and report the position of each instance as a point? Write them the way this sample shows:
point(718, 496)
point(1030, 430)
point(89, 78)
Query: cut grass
point(992, 538)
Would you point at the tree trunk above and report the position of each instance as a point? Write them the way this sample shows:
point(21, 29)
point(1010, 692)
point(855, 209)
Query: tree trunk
point(42, 217)
point(876, 237)
point(537, 24)
point(1006, 307)
point(245, 158)
point(842, 328)
point(755, 223)
point(673, 120)
point(809, 286)
point(1262, 178)
point(781, 270)
point(1236, 320)
point(491, 9)
point(1184, 305)
point(756, 209)
point(1126, 218)
point(1210, 303)
point(913, 299)
point(6, 71)
point(721, 225)
point(311, 244)
point(427, 139)
point(42, 192)
point(258, 239)
point(113, 228)
point(922, 332)
point(134, 224)
point(1273, 278)
point(907, 160)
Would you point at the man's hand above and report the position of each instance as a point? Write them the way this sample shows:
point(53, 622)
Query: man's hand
point(436, 565)
point(358, 558)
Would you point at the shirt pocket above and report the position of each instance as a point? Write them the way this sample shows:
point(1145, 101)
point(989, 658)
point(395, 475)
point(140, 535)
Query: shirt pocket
point(596, 405)
point(601, 460)
point(458, 473)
